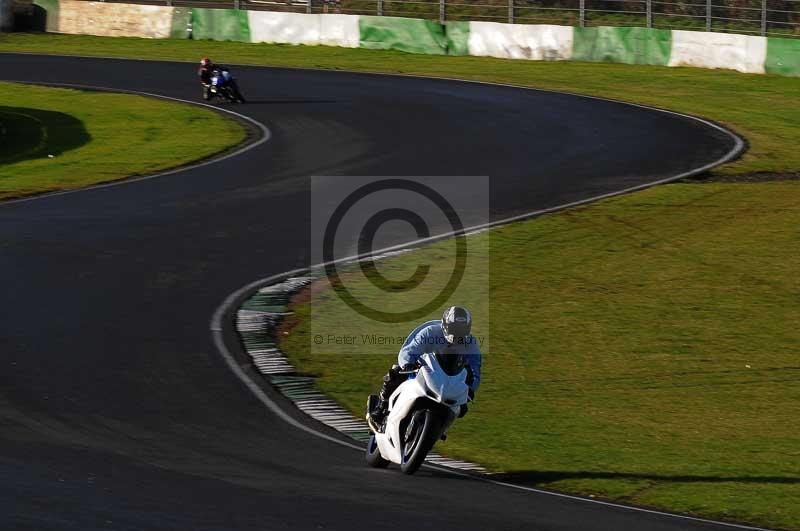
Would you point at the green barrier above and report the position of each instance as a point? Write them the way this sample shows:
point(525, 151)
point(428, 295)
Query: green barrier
point(639, 46)
point(405, 34)
point(45, 15)
point(181, 20)
point(457, 38)
point(220, 25)
point(783, 57)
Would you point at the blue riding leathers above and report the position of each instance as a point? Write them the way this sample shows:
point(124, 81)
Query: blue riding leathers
point(429, 337)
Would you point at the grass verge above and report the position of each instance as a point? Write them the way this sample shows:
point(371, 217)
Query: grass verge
point(642, 349)
point(59, 139)
point(764, 109)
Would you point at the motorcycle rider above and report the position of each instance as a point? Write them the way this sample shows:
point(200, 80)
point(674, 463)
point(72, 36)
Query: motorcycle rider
point(206, 72)
point(206, 67)
point(450, 336)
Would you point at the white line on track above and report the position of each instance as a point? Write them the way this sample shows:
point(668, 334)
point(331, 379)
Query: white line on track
point(236, 368)
point(217, 319)
point(265, 136)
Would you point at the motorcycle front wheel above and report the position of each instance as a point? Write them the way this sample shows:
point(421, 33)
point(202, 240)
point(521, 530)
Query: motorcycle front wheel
point(374, 457)
point(420, 436)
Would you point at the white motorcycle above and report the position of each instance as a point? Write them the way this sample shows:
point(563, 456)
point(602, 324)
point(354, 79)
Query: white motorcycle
point(420, 412)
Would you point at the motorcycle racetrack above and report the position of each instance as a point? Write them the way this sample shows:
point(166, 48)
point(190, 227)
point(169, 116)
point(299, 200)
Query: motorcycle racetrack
point(117, 411)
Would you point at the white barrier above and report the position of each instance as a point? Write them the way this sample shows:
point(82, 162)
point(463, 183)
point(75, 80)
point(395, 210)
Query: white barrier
point(339, 30)
point(744, 53)
point(114, 20)
point(749, 54)
point(298, 28)
point(520, 41)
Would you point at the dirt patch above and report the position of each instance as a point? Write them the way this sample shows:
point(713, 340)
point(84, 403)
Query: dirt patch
point(290, 322)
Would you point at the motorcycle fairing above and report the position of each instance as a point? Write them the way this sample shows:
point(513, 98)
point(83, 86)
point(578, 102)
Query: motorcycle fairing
point(432, 384)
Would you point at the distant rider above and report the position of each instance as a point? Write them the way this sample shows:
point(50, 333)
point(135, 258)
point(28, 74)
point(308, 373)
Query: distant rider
point(207, 70)
point(450, 335)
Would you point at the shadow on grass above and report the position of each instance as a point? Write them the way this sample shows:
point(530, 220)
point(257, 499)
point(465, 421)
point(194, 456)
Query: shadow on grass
point(27, 134)
point(544, 477)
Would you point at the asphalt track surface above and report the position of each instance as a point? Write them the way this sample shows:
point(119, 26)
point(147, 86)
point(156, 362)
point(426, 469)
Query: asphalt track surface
point(116, 411)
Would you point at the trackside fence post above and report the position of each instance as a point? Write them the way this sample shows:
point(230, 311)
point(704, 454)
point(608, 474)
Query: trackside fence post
point(442, 11)
point(763, 18)
point(708, 15)
point(379, 8)
point(510, 11)
point(649, 9)
point(582, 13)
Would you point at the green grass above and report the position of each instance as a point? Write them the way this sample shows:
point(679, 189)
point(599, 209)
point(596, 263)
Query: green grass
point(765, 109)
point(58, 139)
point(644, 349)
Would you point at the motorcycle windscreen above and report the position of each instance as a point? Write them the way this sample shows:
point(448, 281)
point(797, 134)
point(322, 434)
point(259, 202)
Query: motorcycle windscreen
point(451, 364)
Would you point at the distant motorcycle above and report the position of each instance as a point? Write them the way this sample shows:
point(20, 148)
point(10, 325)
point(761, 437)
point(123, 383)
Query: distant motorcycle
point(222, 85)
point(420, 412)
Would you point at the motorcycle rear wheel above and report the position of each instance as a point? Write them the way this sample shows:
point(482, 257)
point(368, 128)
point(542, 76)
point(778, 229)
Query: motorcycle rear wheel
point(428, 429)
point(230, 95)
